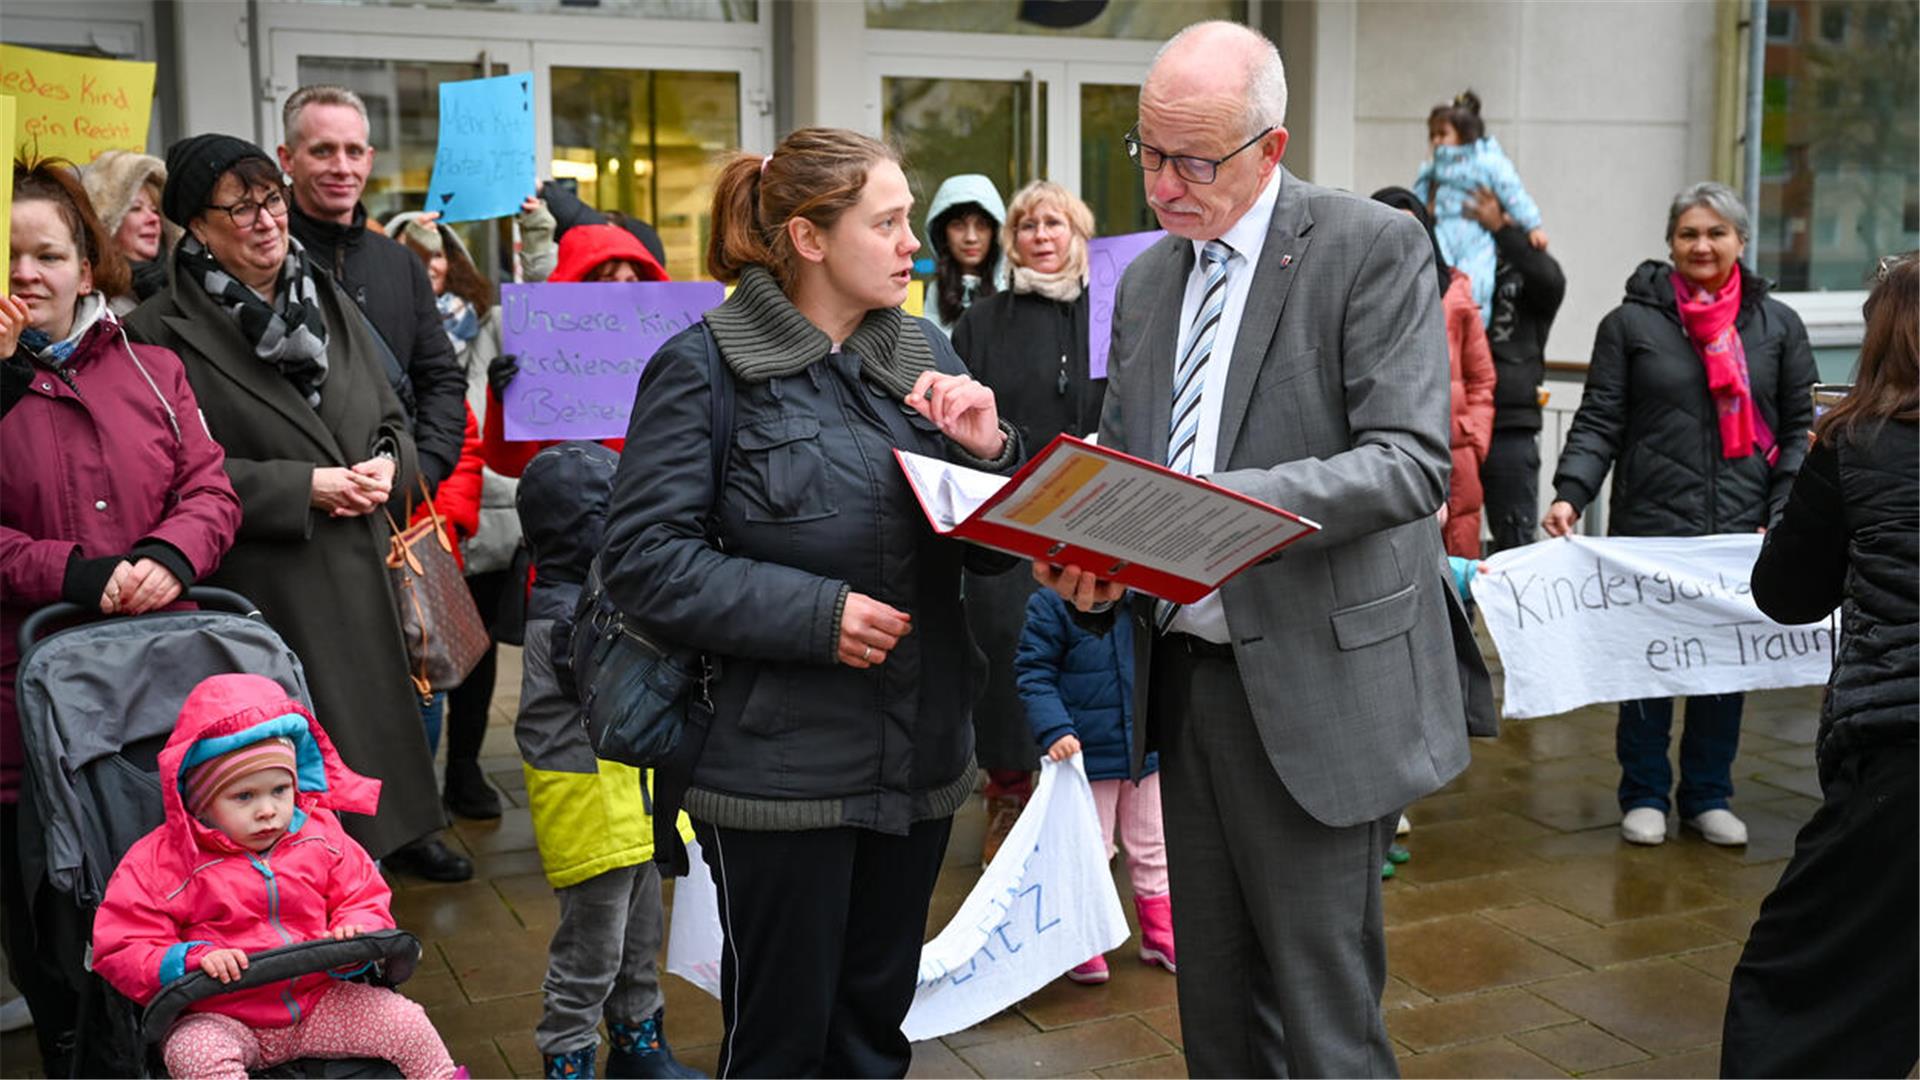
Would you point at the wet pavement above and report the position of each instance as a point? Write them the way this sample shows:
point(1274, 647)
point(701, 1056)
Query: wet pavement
point(1525, 938)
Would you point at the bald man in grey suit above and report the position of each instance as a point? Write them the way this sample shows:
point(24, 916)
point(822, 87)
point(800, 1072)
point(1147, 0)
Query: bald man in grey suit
point(1285, 342)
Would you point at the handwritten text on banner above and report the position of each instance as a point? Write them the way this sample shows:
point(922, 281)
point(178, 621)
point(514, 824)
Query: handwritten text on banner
point(75, 107)
point(484, 166)
point(582, 347)
point(1580, 620)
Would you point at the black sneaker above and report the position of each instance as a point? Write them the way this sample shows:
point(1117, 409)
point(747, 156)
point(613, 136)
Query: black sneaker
point(467, 793)
point(431, 859)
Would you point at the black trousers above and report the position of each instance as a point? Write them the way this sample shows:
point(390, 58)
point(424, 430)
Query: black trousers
point(822, 945)
point(467, 704)
point(1511, 479)
point(1829, 983)
point(32, 961)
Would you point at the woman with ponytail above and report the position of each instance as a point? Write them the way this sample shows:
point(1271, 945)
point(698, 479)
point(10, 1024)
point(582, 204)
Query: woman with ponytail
point(840, 744)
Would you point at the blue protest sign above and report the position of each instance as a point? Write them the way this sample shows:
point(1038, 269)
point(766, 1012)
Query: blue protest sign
point(484, 167)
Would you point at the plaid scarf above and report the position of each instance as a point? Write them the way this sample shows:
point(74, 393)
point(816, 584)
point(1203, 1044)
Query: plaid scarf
point(290, 333)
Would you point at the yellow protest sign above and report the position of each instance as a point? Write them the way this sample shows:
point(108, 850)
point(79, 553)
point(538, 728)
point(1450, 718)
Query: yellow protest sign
point(6, 195)
point(74, 107)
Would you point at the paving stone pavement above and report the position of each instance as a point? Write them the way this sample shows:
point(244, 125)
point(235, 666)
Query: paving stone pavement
point(1524, 937)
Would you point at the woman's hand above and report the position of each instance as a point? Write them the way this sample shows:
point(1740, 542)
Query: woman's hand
point(14, 318)
point(1078, 587)
point(224, 964)
point(346, 493)
point(1561, 518)
point(137, 588)
point(963, 409)
point(1063, 748)
point(869, 630)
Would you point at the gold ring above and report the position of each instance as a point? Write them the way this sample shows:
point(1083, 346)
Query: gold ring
point(866, 653)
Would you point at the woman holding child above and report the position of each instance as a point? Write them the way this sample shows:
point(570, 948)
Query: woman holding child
point(841, 743)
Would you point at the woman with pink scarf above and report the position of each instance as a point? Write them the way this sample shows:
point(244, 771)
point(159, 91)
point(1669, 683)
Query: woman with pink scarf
point(1698, 398)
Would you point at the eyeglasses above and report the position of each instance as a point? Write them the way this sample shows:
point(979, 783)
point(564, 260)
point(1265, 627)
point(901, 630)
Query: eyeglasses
point(1194, 170)
point(247, 211)
point(1033, 226)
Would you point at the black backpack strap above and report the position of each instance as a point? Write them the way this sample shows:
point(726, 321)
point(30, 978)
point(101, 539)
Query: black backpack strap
point(672, 776)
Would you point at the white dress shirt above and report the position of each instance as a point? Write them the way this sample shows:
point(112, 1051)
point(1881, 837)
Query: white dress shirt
point(1207, 617)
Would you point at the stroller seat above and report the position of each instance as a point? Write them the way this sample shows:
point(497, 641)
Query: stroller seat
point(97, 702)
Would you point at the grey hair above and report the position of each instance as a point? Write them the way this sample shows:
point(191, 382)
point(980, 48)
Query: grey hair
point(1716, 197)
point(1266, 104)
point(319, 94)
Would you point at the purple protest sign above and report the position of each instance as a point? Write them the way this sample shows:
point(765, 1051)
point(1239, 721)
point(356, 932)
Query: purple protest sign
point(582, 346)
point(1107, 259)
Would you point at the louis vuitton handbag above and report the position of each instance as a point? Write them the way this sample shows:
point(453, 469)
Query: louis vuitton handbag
point(444, 634)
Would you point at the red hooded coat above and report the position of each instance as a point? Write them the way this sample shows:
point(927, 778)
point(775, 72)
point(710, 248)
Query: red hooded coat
point(185, 888)
point(1472, 380)
point(582, 249)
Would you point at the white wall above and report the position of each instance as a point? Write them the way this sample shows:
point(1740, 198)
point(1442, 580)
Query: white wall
point(1606, 106)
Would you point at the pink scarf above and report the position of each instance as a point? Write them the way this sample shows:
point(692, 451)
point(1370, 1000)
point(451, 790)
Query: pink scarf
point(1709, 323)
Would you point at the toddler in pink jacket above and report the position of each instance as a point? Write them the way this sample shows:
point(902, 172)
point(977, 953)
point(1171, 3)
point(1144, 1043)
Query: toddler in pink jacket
point(251, 857)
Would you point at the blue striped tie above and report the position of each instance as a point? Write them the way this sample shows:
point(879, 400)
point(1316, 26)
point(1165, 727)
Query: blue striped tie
point(1189, 380)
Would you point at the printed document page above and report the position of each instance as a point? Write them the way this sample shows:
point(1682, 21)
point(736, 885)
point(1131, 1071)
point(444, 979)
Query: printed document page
point(1138, 514)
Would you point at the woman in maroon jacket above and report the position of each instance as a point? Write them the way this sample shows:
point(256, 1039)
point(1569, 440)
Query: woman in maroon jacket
point(114, 496)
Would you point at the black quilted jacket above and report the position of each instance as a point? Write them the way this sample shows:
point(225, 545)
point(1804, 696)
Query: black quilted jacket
point(1647, 415)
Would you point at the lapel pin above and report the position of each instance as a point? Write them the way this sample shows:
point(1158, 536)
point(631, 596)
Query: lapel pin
point(1286, 261)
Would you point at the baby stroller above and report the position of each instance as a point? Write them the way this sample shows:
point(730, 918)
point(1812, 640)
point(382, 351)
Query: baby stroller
point(97, 702)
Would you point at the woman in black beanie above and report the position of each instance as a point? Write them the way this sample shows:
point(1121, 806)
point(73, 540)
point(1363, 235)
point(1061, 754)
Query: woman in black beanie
point(292, 383)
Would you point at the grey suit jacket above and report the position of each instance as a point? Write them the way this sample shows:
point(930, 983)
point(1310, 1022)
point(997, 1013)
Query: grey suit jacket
point(1355, 654)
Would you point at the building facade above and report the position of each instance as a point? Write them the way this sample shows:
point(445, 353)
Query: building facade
point(1607, 106)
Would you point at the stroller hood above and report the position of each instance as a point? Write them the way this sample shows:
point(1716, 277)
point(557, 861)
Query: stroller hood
point(228, 711)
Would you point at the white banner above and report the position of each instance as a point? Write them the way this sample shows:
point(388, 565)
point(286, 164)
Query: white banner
point(1581, 620)
point(1045, 904)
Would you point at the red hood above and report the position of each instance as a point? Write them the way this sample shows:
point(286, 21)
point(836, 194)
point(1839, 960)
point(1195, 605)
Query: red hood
point(232, 710)
point(584, 247)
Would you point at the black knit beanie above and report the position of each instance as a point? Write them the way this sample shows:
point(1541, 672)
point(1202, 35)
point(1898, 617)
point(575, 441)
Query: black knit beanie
point(194, 167)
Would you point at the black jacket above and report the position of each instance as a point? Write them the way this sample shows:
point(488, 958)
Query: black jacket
point(1850, 537)
point(1646, 413)
point(814, 506)
point(1021, 345)
point(1527, 289)
point(1033, 352)
point(390, 284)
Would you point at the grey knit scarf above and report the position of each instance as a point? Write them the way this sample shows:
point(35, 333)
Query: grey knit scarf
point(763, 336)
point(290, 333)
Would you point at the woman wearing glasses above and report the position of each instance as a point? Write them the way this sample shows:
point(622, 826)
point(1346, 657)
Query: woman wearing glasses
point(292, 385)
point(1029, 344)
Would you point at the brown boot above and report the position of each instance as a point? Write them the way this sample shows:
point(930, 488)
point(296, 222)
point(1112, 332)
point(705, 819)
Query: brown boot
point(1002, 812)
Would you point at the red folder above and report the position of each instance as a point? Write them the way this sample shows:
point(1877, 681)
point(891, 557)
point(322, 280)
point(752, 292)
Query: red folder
point(1127, 520)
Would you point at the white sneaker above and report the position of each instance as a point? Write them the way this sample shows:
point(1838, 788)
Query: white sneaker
point(1644, 825)
point(1719, 827)
point(1404, 827)
point(14, 1015)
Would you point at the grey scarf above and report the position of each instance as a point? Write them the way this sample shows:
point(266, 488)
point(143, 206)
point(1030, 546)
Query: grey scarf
point(763, 336)
point(290, 333)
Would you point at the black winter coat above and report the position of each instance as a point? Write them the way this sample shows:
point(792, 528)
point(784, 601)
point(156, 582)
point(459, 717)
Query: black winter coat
point(391, 286)
point(1646, 413)
point(1528, 286)
point(1024, 346)
point(1850, 537)
point(814, 505)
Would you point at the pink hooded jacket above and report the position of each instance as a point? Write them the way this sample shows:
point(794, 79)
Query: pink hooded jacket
point(185, 888)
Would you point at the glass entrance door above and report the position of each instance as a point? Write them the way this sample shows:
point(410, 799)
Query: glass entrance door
point(639, 132)
point(400, 82)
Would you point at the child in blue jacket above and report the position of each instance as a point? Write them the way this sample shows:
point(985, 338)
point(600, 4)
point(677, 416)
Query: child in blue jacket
point(1466, 159)
point(1078, 690)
